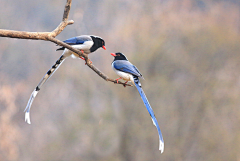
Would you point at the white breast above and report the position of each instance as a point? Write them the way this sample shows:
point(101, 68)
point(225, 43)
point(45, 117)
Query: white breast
point(123, 75)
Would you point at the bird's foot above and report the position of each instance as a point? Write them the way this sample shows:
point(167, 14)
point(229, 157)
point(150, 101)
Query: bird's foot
point(125, 84)
point(118, 79)
point(82, 51)
point(82, 58)
point(89, 60)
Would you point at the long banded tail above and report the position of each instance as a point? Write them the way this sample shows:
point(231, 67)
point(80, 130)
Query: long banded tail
point(150, 110)
point(40, 84)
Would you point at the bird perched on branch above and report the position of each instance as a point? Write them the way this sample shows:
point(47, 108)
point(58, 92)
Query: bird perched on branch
point(85, 43)
point(128, 72)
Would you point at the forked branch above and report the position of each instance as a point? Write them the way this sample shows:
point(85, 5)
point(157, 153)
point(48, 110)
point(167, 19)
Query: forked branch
point(50, 36)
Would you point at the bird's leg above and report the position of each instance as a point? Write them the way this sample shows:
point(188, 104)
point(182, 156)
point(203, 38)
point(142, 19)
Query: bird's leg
point(118, 79)
point(84, 58)
point(125, 84)
point(83, 53)
point(81, 58)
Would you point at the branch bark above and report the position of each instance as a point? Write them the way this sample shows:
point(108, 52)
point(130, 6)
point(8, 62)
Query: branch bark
point(50, 36)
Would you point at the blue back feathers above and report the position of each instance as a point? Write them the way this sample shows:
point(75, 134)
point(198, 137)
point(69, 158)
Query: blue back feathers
point(127, 67)
point(77, 40)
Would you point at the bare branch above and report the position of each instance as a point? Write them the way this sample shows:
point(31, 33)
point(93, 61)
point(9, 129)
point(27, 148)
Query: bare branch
point(88, 62)
point(60, 28)
point(67, 10)
point(50, 36)
point(41, 35)
point(24, 34)
point(65, 21)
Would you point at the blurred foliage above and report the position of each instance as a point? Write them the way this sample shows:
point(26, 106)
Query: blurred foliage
point(187, 51)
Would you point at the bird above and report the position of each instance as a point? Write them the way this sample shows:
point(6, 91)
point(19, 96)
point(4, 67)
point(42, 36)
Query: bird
point(85, 43)
point(128, 72)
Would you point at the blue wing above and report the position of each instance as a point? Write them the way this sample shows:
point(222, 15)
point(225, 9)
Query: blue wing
point(150, 110)
point(77, 40)
point(127, 67)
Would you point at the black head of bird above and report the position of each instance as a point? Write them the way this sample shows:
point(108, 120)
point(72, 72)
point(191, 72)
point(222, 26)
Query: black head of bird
point(97, 43)
point(119, 56)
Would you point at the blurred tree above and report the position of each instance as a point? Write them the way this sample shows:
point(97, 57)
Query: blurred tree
point(187, 52)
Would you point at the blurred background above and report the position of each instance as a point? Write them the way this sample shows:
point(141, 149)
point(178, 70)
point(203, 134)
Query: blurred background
point(187, 51)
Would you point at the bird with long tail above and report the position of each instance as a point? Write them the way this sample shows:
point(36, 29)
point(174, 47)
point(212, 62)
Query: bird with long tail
point(85, 43)
point(128, 72)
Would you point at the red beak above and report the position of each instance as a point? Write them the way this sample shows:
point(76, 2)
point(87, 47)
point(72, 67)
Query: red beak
point(103, 47)
point(113, 54)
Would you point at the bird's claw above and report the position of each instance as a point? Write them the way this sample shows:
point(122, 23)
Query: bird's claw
point(125, 84)
point(90, 62)
point(85, 60)
point(118, 79)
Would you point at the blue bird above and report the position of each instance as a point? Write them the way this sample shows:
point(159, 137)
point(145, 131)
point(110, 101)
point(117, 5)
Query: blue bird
point(85, 43)
point(128, 72)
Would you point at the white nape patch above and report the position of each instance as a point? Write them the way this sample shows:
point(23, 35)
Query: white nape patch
point(161, 146)
point(27, 117)
point(153, 122)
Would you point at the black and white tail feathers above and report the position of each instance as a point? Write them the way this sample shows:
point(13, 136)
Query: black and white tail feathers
point(150, 110)
point(40, 84)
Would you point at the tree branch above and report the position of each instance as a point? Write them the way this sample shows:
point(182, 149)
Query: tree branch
point(67, 10)
point(103, 75)
point(50, 36)
point(24, 34)
point(88, 62)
